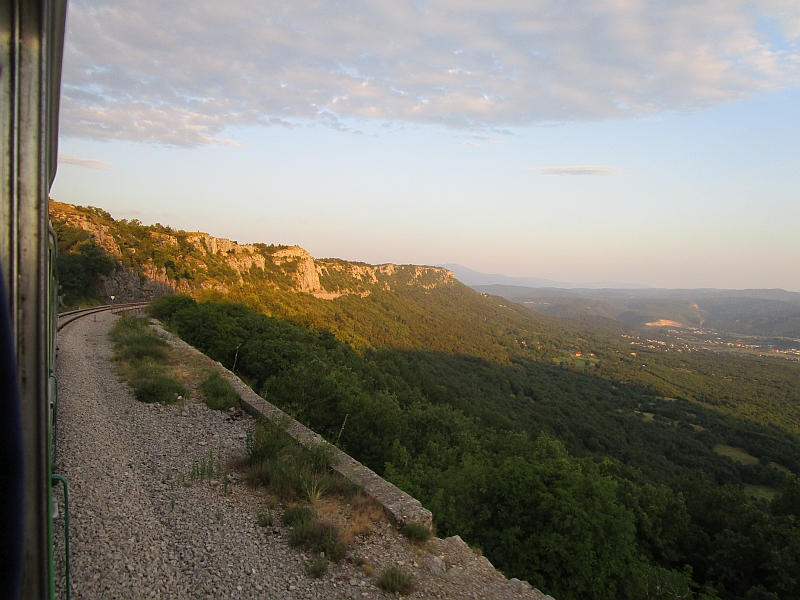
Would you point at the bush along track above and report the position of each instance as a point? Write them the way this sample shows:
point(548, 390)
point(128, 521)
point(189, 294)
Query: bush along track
point(143, 360)
point(218, 393)
point(302, 478)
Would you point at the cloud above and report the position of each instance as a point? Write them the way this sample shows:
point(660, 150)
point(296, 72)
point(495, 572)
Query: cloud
point(183, 71)
point(576, 170)
point(87, 163)
point(488, 140)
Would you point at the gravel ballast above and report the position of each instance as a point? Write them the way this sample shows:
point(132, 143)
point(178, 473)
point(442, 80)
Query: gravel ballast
point(141, 529)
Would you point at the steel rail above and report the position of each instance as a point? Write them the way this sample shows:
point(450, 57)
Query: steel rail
point(73, 315)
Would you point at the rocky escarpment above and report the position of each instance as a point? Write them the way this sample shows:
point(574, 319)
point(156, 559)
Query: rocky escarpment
point(99, 232)
point(154, 258)
point(306, 275)
point(128, 286)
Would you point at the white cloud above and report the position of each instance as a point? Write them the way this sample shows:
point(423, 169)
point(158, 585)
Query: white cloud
point(576, 170)
point(88, 163)
point(181, 72)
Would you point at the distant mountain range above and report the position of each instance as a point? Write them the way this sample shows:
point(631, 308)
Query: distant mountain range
point(768, 313)
point(472, 278)
point(518, 291)
point(760, 312)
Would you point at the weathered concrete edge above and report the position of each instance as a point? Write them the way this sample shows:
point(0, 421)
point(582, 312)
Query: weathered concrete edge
point(400, 507)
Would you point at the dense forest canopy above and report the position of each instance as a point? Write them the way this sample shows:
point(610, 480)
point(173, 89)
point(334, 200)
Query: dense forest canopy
point(586, 486)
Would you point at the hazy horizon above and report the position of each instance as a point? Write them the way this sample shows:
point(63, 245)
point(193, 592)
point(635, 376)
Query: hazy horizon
point(654, 144)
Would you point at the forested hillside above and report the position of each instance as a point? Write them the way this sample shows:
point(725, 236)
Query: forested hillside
point(588, 488)
point(588, 469)
point(193, 261)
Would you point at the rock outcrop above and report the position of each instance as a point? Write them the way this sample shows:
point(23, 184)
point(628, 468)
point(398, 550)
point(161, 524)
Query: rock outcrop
point(194, 261)
point(127, 286)
point(99, 233)
point(306, 274)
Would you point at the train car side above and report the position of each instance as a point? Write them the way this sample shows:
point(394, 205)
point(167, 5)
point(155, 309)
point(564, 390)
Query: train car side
point(31, 47)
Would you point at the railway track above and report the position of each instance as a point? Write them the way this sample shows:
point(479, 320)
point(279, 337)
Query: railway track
point(66, 318)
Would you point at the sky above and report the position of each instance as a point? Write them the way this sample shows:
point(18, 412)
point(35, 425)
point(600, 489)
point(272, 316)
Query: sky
point(653, 142)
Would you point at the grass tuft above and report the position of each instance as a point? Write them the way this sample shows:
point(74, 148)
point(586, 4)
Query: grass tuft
point(158, 388)
point(266, 519)
point(143, 357)
point(416, 532)
point(396, 580)
point(288, 469)
point(295, 514)
point(218, 393)
point(318, 567)
point(316, 536)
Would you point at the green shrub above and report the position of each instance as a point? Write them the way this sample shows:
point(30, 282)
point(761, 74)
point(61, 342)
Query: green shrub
point(290, 470)
point(316, 536)
point(158, 388)
point(266, 519)
point(143, 356)
point(394, 580)
point(297, 514)
point(320, 456)
point(143, 348)
point(81, 262)
point(218, 392)
point(318, 567)
point(168, 304)
point(416, 532)
point(269, 440)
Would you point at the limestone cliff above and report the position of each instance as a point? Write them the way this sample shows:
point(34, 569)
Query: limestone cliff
point(98, 231)
point(158, 257)
point(306, 275)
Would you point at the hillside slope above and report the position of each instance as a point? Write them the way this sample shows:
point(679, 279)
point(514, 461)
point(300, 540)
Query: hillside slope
point(572, 459)
point(194, 261)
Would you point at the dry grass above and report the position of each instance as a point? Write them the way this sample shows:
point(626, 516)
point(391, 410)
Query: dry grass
point(363, 563)
point(352, 518)
point(237, 462)
point(737, 454)
point(361, 515)
point(780, 468)
point(760, 492)
point(191, 369)
point(368, 569)
point(328, 509)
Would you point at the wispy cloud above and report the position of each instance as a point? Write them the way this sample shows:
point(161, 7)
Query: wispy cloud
point(183, 71)
point(487, 140)
point(87, 163)
point(576, 170)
